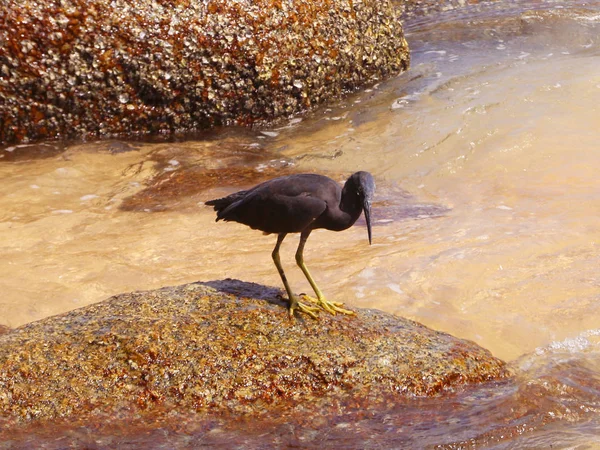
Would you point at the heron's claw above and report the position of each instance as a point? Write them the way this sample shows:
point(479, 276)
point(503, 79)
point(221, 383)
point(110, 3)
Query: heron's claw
point(315, 300)
point(331, 307)
point(297, 305)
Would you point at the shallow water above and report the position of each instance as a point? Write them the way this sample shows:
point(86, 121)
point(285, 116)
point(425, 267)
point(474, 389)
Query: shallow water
point(487, 222)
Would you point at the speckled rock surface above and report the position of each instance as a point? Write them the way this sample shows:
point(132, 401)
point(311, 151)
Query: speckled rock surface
point(223, 345)
point(77, 68)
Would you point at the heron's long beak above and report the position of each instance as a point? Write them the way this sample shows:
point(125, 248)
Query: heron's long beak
point(367, 210)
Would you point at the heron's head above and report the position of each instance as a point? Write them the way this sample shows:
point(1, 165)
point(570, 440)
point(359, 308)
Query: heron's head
point(365, 186)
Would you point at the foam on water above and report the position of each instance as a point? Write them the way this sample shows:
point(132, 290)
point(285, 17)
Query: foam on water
point(586, 342)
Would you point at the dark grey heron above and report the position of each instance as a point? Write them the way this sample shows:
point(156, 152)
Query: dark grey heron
point(299, 204)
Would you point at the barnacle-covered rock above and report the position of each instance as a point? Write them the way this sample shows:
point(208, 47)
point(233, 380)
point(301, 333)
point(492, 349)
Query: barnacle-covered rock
point(222, 346)
point(76, 68)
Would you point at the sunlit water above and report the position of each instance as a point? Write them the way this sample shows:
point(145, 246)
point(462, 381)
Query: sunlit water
point(495, 128)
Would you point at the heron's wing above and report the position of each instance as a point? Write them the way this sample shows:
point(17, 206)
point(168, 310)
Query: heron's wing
point(275, 213)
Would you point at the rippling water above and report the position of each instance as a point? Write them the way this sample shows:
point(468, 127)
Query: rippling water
point(486, 154)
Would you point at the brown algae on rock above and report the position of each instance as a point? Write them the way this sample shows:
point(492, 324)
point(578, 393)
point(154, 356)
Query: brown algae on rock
point(222, 346)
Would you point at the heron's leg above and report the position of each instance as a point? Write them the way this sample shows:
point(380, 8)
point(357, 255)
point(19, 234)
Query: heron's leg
point(294, 303)
point(330, 307)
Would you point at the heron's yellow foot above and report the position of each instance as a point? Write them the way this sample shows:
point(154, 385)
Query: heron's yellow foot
point(331, 307)
point(310, 310)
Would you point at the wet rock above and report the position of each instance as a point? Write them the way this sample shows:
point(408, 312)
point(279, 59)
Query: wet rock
point(30, 152)
point(78, 68)
point(179, 175)
point(222, 346)
point(165, 189)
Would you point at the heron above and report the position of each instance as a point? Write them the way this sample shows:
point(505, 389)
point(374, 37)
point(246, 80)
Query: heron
point(301, 203)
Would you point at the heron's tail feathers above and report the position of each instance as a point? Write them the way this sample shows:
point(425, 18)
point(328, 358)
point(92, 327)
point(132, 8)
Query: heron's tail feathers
point(221, 204)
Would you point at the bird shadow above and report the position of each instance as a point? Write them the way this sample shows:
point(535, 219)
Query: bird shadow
point(241, 288)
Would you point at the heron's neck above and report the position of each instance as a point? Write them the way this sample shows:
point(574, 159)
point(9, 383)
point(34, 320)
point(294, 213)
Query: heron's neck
point(350, 203)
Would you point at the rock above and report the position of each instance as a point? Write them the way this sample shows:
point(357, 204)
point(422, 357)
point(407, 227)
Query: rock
point(78, 68)
point(222, 346)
